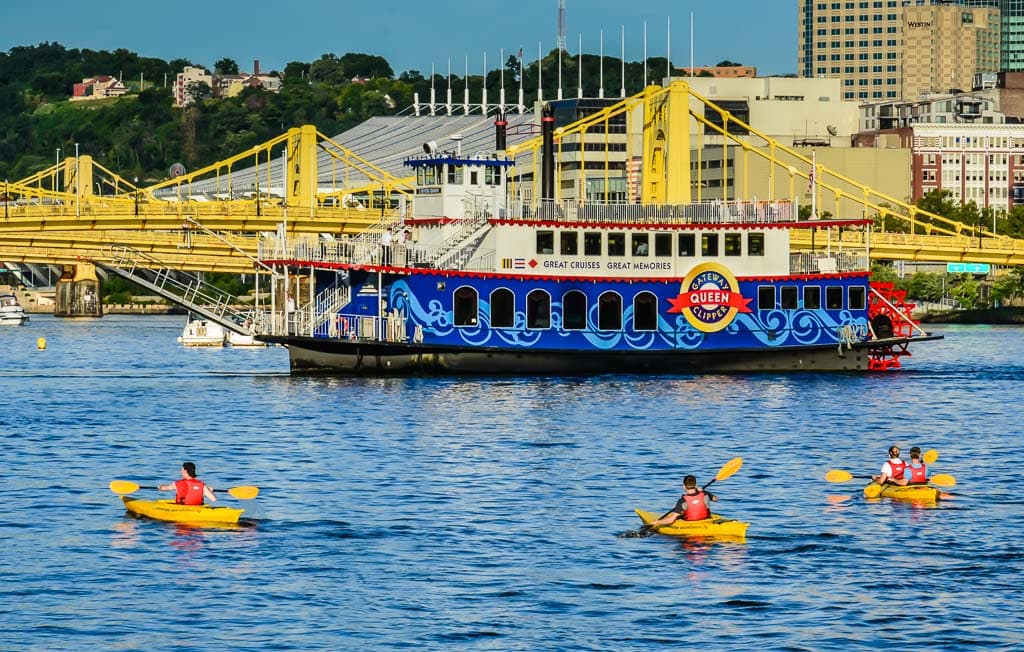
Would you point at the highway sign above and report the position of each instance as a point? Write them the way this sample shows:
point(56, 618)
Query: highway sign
point(177, 170)
point(967, 268)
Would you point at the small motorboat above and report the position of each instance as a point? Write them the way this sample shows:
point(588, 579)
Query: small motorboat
point(11, 312)
point(202, 332)
point(168, 510)
point(714, 527)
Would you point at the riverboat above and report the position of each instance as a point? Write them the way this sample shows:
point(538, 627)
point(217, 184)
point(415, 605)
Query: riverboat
point(477, 279)
point(11, 312)
point(202, 332)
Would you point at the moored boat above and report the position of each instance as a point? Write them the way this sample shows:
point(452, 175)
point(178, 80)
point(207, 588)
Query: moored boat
point(714, 527)
point(168, 510)
point(11, 312)
point(917, 493)
point(202, 332)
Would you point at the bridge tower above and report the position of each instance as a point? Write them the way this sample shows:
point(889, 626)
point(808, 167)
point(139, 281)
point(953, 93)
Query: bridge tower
point(666, 175)
point(302, 175)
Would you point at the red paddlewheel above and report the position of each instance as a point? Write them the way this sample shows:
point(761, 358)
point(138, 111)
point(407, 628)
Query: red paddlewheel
point(889, 314)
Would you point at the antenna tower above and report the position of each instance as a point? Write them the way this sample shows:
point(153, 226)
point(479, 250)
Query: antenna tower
point(561, 24)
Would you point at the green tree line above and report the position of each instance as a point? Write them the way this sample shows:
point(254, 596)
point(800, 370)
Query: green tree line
point(142, 133)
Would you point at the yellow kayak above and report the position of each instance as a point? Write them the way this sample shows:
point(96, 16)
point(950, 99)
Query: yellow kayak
point(168, 510)
point(916, 493)
point(716, 526)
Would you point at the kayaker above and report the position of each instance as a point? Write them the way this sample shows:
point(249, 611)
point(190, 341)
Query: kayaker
point(916, 471)
point(693, 505)
point(893, 471)
point(190, 490)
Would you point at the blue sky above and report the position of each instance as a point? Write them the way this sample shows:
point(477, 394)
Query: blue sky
point(410, 34)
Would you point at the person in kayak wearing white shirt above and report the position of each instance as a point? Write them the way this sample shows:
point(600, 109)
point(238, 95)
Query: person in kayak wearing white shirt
point(893, 471)
point(190, 490)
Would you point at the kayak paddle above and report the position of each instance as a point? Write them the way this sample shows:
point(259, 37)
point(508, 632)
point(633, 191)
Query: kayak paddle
point(244, 492)
point(838, 475)
point(728, 470)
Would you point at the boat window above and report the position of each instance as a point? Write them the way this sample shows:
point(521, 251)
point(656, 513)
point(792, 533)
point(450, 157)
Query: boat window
point(455, 174)
point(503, 308)
point(574, 311)
point(641, 244)
point(492, 175)
point(592, 243)
point(473, 178)
point(687, 246)
point(812, 297)
point(733, 244)
point(431, 175)
point(755, 244)
point(609, 314)
point(857, 297)
point(833, 297)
point(766, 297)
point(538, 310)
point(709, 244)
point(570, 243)
point(465, 306)
point(645, 312)
point(662, 244)
point(545, 242)
point(788, 295)
point(616, 244)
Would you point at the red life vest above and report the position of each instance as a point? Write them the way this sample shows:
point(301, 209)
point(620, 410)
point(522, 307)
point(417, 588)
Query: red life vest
point(696, 508)
point(897, 467)
point(918, 474)
point(190, 492)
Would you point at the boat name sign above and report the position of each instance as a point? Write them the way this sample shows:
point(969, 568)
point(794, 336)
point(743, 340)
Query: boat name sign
point(709, 298)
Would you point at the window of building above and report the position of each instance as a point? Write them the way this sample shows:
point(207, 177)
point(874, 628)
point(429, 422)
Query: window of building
point(464, 306)
point(755, 244)
point(592, 243)
point(545, 242)
point(788, 297)
point(574, 311)
point(662, 244)
point(609, 312)
point(687, 246)
point(640, 244)
point(833, 297)
point(645, 312)
point(733, 244)
point(709, 244)
point(812, 297)
point(503, 308)
point(766, 297)
point(616, 244)
point(538, 310)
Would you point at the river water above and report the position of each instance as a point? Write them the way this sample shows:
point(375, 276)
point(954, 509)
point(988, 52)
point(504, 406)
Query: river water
point(484, 513)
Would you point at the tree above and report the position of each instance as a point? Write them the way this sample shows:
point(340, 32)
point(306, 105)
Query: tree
point(728, 64)
point(225, 67)
point(199, 91)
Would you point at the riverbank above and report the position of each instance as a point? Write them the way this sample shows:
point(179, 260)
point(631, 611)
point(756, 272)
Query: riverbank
point(1011, 315)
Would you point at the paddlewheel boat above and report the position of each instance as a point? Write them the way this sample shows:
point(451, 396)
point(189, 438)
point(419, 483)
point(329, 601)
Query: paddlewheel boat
point(479, 281)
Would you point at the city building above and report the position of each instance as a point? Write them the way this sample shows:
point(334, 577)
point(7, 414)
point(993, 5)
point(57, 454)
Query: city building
point(1011, 31)
point(886, 49)
point(95, 88)
point(222, 85)
point(718, 71)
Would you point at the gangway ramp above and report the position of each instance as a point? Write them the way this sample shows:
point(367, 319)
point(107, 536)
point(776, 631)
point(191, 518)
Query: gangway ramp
point(181, 288)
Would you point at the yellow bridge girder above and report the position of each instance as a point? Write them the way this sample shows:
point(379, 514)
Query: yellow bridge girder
point(908, 246)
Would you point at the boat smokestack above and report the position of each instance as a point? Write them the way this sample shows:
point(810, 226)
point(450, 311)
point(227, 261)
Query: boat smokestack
point(547, 130)
point(500, 133)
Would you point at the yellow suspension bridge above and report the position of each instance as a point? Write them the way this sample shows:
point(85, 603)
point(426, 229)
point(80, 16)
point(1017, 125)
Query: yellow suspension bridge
point(303, 182)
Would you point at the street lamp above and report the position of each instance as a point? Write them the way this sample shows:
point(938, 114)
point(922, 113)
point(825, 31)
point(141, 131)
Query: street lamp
point(136, 196)
point(56, 173)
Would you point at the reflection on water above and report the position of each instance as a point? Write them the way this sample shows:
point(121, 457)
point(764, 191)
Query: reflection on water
point(483, 513)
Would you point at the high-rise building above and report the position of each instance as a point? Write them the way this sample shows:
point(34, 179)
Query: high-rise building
point(886, 49)
point(1011, 31)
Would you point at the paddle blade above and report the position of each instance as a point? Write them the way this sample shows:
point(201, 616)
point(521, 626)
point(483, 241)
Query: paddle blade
point(730, 467)
point(245, 492)
point(838, 475)
point(123, 487)
point(943, 480)
point(930, 456)
point(873, 490)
